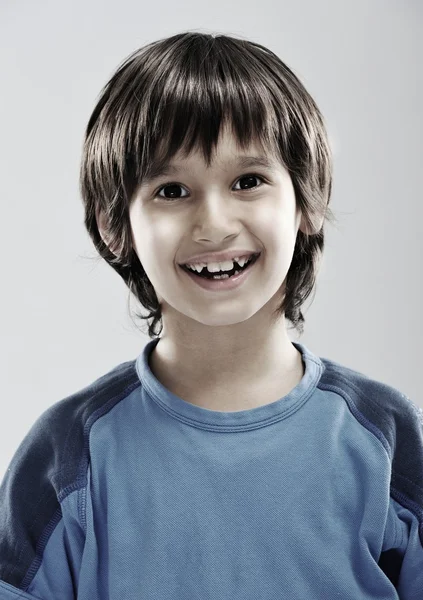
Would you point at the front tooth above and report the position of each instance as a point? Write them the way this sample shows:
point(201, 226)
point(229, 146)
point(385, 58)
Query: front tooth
point(223, 266)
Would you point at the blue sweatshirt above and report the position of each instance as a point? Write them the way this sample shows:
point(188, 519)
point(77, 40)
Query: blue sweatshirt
point(124, 491)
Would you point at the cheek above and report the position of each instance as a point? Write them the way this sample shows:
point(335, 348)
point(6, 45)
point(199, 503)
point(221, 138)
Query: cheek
point(162, 241)
point(277, 227)
point(269, 229)
point(269, 224)
point(157, 248)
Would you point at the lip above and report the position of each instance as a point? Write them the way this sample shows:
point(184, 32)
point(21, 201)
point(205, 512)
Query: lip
point(220, 285)
point(218, 256)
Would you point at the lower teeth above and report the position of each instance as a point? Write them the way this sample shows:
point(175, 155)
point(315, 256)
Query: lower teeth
point(225, 275)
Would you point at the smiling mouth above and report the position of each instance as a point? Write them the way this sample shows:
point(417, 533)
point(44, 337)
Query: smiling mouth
point(205, 274)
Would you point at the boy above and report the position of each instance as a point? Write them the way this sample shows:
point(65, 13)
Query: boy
point(225, 461)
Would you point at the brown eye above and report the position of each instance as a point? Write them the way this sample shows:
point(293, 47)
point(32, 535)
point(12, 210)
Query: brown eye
point(250, 178)
point(173, 186)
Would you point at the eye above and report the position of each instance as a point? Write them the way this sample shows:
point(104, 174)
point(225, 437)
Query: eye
point(175, 185)
point(252, 176)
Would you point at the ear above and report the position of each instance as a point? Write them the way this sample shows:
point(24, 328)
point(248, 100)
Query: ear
point(102, 228)
point(310, 229)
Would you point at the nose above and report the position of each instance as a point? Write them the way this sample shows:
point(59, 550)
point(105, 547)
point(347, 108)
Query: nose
point(216, 218)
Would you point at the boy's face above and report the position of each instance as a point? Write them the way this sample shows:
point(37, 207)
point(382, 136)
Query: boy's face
point(210, 211)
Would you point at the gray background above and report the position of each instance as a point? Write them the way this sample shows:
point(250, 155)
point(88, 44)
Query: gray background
point(64, 318)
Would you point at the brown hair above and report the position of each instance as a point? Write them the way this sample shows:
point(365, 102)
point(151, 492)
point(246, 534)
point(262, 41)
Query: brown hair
point(176, 94)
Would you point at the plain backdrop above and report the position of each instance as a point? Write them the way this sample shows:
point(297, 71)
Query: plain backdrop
point(65, 319)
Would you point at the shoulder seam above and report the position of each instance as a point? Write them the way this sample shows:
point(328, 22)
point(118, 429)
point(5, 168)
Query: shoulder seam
point(377, 433)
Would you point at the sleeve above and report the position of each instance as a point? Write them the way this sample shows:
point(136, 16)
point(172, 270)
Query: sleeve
point(410, 580)
point(41, 537)
point(409, 508)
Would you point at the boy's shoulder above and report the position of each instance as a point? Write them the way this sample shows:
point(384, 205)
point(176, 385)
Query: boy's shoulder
point(51, 464)
point(57, 441)
point(390, 415)
point(382, 409)
point(88, 402)
point(368, 393)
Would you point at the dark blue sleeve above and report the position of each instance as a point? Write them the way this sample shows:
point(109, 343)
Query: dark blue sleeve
point(41, 540)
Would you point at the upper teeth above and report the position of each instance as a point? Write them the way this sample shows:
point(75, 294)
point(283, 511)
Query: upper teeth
point(213, 267)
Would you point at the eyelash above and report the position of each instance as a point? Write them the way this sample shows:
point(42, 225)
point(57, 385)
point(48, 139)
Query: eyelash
point(170, 183)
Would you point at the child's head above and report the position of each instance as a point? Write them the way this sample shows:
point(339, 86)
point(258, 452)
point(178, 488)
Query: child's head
point(176, 99)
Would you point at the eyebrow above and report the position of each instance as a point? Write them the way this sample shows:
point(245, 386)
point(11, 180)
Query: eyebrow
point(242, 162)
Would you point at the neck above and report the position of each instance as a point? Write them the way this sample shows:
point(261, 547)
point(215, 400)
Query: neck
point(190, 365)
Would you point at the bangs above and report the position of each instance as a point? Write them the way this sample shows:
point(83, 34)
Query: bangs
point(178, 96)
